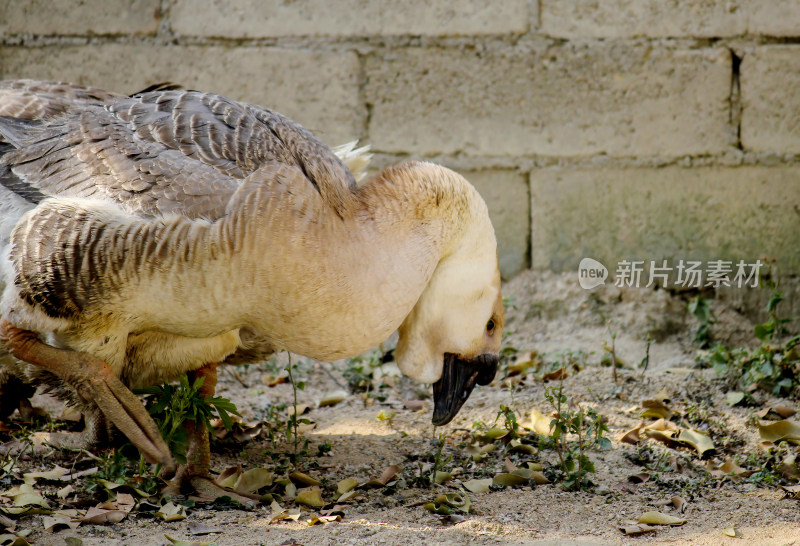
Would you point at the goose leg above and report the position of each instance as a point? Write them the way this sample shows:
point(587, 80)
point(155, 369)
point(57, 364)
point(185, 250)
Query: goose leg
point(198, 455)
point(195, 475)
point(96, 383)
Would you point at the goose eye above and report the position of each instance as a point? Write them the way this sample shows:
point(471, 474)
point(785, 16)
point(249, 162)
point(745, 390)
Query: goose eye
point(490, 326)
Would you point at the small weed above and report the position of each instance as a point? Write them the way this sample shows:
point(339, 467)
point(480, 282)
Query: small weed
point(439, 460)
point(324, 449)
point(433, 461)
point(646, 360)
point(172, 405)
point(775, 327)
point(371, 374)
point(509, 421)
point(612, 355)
point(569, 360)
point(294, 421)
point(386, 417)
point(777, 466)
point(772, 368)
point(587, 426)
point(702, 311)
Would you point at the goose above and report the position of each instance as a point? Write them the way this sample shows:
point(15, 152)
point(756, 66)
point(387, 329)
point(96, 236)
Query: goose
point(153, 236)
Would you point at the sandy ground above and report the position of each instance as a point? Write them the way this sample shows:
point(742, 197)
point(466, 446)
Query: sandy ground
point(549, 314)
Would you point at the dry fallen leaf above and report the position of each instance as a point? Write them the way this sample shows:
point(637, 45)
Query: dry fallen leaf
point(657, 518)
point(632, 436)
point(522, 362)
point(55, 474)
point(479, 452)
point(97, 516)
point(124, 502)
point(390, 473)
point(176, 542)
point(9, 539)
point(228, 477)
point(315, 520)
point(731, 532)
point(642, 477)
point(442, 477)
point(310, 496)
point(25, 495)
point(666, 437)
point(302, 428)
point(494, 434)
point(776, 413)
point(244, 432)
point(347, 484)
point(540, 423)
point(445, 504)
point(728, 468)
point(478, 486)
point(350, 496)
point(789, 467)
point(171, 512)
point(636, 529)
point(734, 397)
point(515, 446)
point(539, 478)
point(557, 375)
point(300, 478)
point(252, 480)
point(700, 441)
point(333, 398)
point(68, 518)
point(508, 465)
point(780, 431)
point(679, 503)
point(655, 409)
point(280, 515)
point(662, 425)
point(509, 480)
point(64, 492)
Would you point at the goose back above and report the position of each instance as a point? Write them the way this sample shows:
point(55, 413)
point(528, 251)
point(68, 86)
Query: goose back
point(165, 151)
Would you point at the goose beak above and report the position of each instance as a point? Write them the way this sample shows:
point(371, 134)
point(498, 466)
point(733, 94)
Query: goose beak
point(459, 377)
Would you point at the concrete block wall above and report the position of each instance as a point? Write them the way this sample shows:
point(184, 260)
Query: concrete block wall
point(622, 129)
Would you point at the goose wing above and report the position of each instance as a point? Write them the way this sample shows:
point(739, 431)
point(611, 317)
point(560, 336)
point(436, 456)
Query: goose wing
point(39, 100)
point(163, 151)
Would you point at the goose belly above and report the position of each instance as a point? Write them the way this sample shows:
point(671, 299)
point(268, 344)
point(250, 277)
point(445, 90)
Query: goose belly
point(153, 357)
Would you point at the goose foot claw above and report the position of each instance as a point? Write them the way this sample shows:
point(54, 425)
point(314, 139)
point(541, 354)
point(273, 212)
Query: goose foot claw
point(96, 384)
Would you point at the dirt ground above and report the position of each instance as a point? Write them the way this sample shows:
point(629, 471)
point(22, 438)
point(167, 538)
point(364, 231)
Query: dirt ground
point(549, 314)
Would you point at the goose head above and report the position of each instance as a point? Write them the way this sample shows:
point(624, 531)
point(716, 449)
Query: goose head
point(452, 336)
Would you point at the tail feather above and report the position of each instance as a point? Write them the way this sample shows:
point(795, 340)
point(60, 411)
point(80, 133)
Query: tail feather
point(356, 159)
